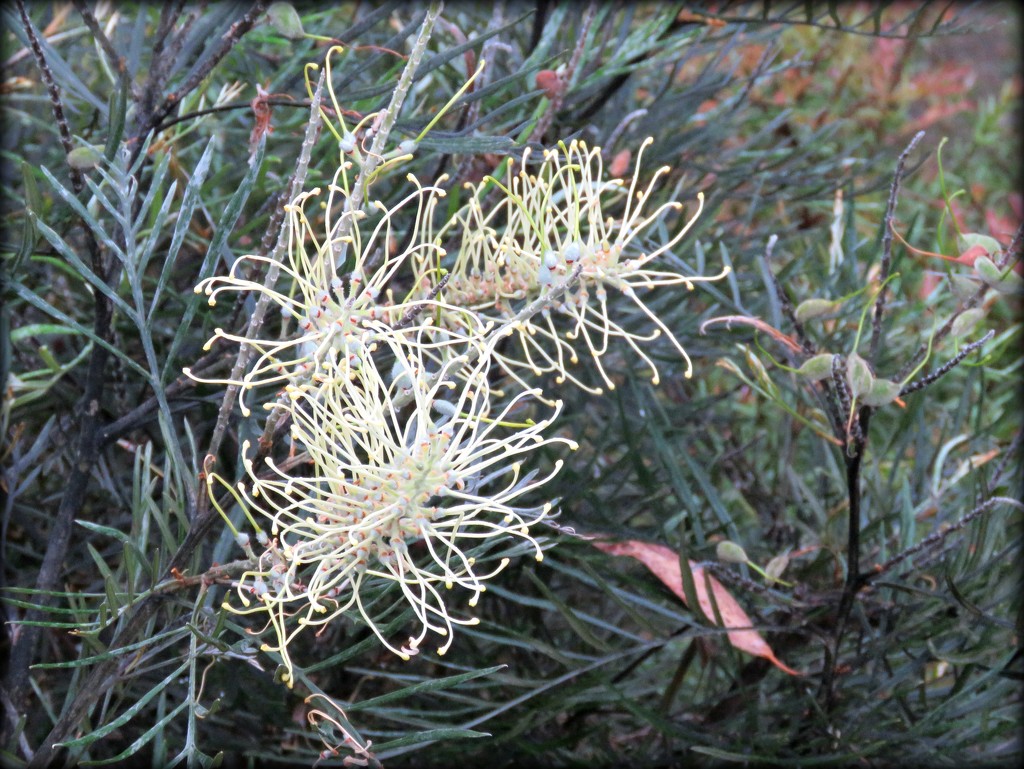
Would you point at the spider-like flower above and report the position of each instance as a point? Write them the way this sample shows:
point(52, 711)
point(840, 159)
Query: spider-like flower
point(401, 493)
point(332, 308)
point(554, 221)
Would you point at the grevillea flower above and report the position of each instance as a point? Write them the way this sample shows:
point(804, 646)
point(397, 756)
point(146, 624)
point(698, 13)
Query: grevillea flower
point(555, 219)
point(331, 308)
point(410, 473)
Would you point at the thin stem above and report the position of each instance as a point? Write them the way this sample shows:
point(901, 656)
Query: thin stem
point(947, 367)
point(559, 96)
point(935, 539)
point(256, 320)
point(227, 42)
point(373, 158)
point(890, 211)
point(54, 90)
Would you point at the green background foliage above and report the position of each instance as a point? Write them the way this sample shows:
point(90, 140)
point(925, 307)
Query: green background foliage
point(153, 178)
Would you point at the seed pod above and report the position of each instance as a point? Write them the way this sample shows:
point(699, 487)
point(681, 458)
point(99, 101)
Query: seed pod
point(882, 393)
point(817, 368)
point(966, 321)
point(84, 158)
point(1012, 283)
point(962, 286)
point(730, 552)
point(815, 308)
point(858, 375)
point(987, 271)
point(760, 372)
point(971, 240)
point(285, 19)
point(776, 566)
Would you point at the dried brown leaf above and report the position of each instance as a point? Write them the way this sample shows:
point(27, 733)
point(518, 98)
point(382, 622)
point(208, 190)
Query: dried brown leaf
point(664, 564)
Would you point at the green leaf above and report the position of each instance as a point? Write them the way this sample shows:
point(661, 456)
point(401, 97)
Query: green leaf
point(127, 716)
point(40, 329)
point(106, 531)
point(190, 199)
point(430, 685)
point(84, 270)
point(139, 743)
point(225, 226)
point(170, 636)
point(53, 312)
point(117, 106)
point(569, 614)
point(431, 735)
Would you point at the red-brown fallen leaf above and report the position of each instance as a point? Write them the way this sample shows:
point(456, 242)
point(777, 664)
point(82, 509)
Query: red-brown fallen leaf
point(664, 563)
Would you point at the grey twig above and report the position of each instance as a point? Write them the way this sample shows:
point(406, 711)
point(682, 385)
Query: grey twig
point(54, 90)
point(946, 367)
point(784, 301)
point(227, 42)
point(372, 159)
point(256, 320)
point(890, 211)
point(414, 312)
point(936, 538)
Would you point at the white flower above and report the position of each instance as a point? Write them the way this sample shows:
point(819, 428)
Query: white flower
point(443, 470)
point(331, 308)
point(553, 220)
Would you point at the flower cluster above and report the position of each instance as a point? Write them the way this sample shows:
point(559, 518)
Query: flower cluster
point(553, 223)
point(405, 462)
point(329, 313)
point(441, 473)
